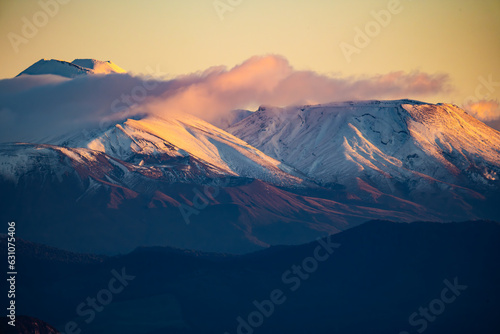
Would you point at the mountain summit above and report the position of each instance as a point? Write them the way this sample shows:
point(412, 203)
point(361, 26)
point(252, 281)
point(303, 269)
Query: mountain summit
point(99, 66)
point(72, 69)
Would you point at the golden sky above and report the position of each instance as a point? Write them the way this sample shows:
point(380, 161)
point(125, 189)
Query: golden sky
point(458, 37)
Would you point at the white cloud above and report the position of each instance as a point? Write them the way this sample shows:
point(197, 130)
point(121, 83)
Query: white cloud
point(47, 106)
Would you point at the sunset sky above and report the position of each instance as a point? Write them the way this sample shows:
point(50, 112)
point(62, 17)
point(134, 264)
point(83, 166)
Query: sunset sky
point(459, 38)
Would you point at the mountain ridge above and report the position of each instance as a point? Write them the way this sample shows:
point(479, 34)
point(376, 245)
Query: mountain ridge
point(77, 67)
point(289, 176)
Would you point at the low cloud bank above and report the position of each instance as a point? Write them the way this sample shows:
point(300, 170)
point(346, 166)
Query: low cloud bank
point(40, 108)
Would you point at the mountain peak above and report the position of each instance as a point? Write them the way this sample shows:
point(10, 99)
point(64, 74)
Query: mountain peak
point(99, 66)
point(72, 69)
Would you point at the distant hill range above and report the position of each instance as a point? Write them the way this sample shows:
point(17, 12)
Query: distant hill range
point(370, 279)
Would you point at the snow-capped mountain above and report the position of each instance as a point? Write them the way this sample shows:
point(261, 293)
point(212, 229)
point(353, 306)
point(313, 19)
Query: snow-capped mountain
point(405, 148)
point(284, 176)
point(155, 142)
point(173, 181)
point(72, 69)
